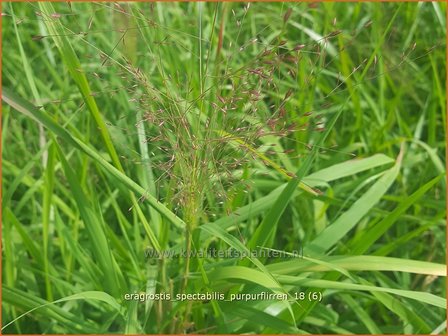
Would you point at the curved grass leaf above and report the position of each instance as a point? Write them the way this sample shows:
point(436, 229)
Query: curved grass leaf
point(88, 295)
point(320, 177)
point(376, 231)
point(336, 231)
point(68, 55)
point(415, 295)
point(95, 227)
point(264, 276)
point(347, 168)
point(28, 109)
point(269, 224)
point(359, 263)
point(29, 302)
point(260, 318)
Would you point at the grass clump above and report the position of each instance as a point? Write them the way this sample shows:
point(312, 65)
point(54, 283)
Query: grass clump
point(178, 128)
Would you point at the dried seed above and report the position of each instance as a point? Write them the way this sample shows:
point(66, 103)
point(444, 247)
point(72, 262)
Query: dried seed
point(266, 52)
point(288, 94)
point(287, 15)
point(298, 47)
point(37, 37)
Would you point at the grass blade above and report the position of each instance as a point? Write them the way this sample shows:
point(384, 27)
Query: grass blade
point(269, 223)
point(333, 233)
point(28, 109)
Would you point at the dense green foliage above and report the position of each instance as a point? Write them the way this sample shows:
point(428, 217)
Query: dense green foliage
point(139, 128)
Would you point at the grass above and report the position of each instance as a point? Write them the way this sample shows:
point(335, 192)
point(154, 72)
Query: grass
point(224, 127)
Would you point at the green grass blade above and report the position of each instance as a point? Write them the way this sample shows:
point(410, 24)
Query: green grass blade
point(259, 318)
point(333, 233)
point(318, 178)
point(362, 314)
point(428, 298)
point(68, 55)
point(347, 168)
point(47, 310)
point(269, 223)
point(359, 263)
point(28, 109)
point(95, 227)
point(375, 232)
point(46, 213)
point(237, 245)
point(88, 295)
point(58, 34)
